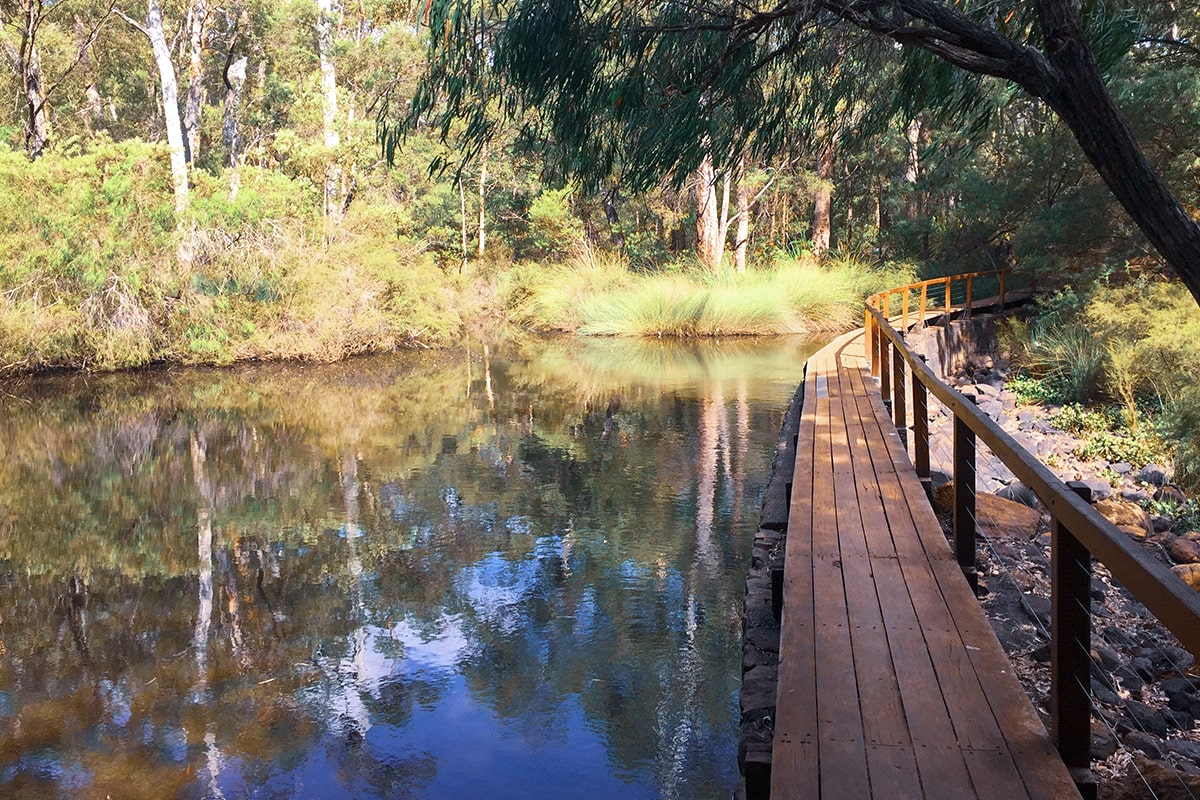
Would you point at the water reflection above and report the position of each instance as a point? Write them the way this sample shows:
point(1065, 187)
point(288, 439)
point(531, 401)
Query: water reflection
point(487, 574)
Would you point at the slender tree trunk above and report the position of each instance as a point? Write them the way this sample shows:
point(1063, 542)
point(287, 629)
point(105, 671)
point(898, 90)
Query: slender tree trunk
point(231, 132)
point(326, 28)
point(609, 201)
point(709, 245)
point(822, 229)
point(912, 172)
point(169, 94)
point(741, 241)
point(483, 157)
point(37, 137)
point(194, 99)
point(462, 211)
point(92, 110)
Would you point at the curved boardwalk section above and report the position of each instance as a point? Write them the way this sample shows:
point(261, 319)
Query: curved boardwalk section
point(891, 682)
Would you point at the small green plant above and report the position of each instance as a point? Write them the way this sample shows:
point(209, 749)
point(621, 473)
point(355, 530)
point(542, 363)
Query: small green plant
point(1033, 391)
point(1184, 516)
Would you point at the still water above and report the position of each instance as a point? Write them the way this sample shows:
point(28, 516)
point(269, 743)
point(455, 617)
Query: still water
point(443, 575)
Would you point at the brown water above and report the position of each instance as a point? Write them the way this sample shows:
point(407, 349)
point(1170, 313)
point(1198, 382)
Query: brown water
point(425, 576)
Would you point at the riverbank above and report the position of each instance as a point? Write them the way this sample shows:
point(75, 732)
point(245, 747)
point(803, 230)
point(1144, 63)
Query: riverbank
point(99, 272)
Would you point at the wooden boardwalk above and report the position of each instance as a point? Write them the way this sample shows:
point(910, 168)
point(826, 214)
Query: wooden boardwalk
point(891, 681)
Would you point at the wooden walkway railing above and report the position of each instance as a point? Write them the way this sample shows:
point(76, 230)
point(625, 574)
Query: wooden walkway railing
point(891, 681)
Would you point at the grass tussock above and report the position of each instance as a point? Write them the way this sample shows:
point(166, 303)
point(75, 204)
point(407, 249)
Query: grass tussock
point(601, 297)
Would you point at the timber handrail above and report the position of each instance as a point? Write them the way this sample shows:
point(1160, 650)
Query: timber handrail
point(1078, 531)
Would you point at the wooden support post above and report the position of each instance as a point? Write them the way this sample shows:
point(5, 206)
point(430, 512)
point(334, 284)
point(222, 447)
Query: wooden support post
point(904, 313)
point(924, 302)
point(949, 285)
point(1003, 274)
point(868, 340)
point(1070, 651)
point(899, 404)
point(876, 337)
point(970, 296)
point(921, 430)
point(964, 499)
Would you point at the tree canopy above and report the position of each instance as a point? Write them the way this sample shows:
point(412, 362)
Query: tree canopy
point(640, 90)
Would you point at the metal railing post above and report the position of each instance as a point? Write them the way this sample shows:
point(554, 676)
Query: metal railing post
point(1070, 651)
point(964, 498)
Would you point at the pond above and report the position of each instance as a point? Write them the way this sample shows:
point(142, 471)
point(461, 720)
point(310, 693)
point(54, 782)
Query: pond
point(501, 573)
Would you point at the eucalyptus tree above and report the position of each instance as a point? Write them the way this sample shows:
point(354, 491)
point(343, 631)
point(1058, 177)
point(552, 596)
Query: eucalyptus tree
point(22, 27)
point(640, 89)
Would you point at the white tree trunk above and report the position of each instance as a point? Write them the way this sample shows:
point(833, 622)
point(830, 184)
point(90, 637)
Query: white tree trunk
point(482, 210)
point(709, 245)
point(38, 134)
point(231, 132)
point(822, 229)
point(195, 93)
point(742, 240)
point(170, 102)
point(326, 27)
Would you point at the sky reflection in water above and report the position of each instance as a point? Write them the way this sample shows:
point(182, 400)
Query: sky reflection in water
point(444, 575)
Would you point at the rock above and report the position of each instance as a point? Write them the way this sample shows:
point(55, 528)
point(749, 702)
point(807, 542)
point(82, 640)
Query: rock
point(1184, 551)
point(1166, 658)
point(1118, 638)
point(1134, 495)
point(1019, 493)
point(1038, 608)
point(997, 517)
point(1144, 667)
point(1182, 747)
point(1103, 693)
point(1104, 744)
point(1169, 493)
point(1146, 718)
point(1160, 524)
point(1152, 474)
point(1190, 574)
point(758, 689)
point(1100, 487)
point(1181, 720)
point(1140, 741)
point(1128, 678)
point(1128, 517)
point(1121, 467)
point(1110, 659)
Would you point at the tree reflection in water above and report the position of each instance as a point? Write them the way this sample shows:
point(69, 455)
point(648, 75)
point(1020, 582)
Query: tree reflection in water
point(427, 575)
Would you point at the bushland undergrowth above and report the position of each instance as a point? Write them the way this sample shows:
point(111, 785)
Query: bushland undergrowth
point(1122, 360)
point(97, 272)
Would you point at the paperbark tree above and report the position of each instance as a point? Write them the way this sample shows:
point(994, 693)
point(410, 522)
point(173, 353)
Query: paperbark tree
point(710, 245)
point(154, 31)
point(326, 28)
point(24, 58)
point(194, 99)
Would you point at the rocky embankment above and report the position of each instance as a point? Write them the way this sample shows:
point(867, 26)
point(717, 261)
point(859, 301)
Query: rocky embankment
point(1145, 687)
